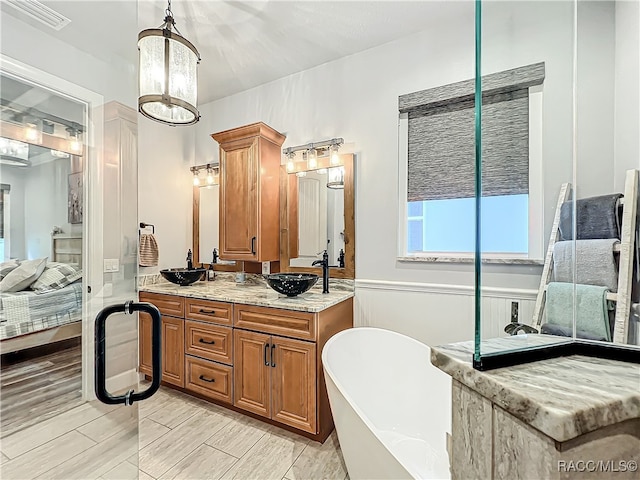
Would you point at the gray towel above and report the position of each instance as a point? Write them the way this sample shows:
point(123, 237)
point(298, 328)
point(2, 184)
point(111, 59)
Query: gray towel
point(592, 309)
point(596, 217)
point(595, 263)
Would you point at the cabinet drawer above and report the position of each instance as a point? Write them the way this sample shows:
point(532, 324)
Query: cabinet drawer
point(167, 304)
point(212, 342)
point(209, 311)
point(273, 320)
point(208, 378)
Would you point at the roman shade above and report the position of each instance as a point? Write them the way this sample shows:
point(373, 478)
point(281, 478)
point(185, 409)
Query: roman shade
point(441, 136)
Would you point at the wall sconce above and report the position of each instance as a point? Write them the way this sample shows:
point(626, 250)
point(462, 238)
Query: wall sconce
point(311, 152)
point(213, 174)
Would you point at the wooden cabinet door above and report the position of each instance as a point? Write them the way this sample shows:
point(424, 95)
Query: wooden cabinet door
point(144, 343)
point(251, 365)
point(294, 383)
point(239, 199)
point(173, 350)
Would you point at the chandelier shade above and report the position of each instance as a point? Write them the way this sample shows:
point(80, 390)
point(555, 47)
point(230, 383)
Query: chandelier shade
point(168, 85)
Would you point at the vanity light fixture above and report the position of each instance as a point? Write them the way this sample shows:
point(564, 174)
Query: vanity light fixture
point(14, 153)
point(212, 170)
point(168, 69)
point(311, 152)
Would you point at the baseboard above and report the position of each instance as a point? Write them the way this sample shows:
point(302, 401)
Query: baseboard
point(122, 381)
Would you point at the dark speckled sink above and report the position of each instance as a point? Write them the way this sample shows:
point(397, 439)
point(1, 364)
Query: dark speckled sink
point(182, 276)
point(291, 284)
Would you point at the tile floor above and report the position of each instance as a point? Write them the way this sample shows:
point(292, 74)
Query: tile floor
point(180, 437)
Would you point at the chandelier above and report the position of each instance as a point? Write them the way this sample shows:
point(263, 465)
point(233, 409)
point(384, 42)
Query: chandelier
point(168, 74)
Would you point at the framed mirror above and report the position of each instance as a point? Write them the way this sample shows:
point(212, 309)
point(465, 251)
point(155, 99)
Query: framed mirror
point(206, 215)
point(317, 213)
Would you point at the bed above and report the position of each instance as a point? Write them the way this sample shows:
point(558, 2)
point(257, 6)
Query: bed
point(29, 319)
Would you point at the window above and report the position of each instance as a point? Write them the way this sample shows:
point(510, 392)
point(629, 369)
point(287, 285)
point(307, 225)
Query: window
point(437, 151)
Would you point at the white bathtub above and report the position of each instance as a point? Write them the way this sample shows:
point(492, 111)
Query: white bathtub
point(391, 407)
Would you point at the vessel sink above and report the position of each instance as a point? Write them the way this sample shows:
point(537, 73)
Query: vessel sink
point(183, 276)
point(291, 284)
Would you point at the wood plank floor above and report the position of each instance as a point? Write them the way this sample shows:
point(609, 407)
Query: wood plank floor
point(33, 390)
point(179, 437)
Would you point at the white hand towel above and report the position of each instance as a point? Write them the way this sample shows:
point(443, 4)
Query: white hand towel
point(148, 250)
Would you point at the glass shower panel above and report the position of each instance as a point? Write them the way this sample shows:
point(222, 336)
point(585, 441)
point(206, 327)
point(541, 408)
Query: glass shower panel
point(579, 280)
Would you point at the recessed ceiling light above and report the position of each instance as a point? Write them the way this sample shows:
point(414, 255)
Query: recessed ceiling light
point(40, 12)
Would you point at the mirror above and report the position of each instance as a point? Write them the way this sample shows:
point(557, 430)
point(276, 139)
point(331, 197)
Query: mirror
point(317, 213)
point(206, 227)
point(40, 159)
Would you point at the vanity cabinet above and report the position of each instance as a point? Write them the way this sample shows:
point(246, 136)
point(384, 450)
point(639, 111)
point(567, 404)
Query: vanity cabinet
point(276, 377)
point(261, 360)
point(249, 193)
point(172, 309)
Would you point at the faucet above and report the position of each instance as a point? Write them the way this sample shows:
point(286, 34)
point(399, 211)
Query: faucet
point(215, 256)
point(325, 270)
point(189, 260)
point(341, 259)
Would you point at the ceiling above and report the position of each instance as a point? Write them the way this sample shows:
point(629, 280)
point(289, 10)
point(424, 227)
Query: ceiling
point(244, 44)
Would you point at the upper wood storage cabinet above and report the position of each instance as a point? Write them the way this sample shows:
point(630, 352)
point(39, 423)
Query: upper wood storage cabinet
point(249, 193)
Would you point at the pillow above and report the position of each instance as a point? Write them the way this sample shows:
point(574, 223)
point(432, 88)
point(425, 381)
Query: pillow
point(24, 275)
point(55, 276)
point(6, 267)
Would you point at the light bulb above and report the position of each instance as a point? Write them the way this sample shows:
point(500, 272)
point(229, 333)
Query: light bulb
point(312, 159)
point(32, 133)
point(291, 158)
point(196, 179)
point(209, 176)
point(335, 158)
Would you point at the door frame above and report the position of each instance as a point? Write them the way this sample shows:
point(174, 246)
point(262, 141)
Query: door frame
point(92, 234)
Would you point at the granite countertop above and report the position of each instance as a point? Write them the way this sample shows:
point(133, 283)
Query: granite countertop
point(255, 291)
point(562, 397)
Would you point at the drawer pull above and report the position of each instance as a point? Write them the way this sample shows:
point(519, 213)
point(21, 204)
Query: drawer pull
point(266, 349)
point(273, 347)
point(210, 380)
point(207, 312)
point(212, 342)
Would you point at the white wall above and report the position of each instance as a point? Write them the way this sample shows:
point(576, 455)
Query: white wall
point(627, 92)
point(165, 189)
point(15, 177)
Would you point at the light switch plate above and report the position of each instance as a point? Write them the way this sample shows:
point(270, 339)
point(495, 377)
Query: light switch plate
point(111, 265)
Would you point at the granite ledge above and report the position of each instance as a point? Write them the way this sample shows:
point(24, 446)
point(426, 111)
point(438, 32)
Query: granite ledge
point(254, 292)
point(562, 397)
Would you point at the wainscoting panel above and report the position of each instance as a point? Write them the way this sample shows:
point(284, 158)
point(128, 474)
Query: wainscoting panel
point(436, 314)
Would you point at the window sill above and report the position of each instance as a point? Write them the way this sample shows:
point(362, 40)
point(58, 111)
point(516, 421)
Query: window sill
point(467, 259)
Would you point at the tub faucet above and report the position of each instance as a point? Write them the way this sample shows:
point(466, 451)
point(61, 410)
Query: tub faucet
point(189, 260)
point(325, 270)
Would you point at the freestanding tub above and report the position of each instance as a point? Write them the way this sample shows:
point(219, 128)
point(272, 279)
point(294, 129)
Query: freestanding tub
point(391, 407)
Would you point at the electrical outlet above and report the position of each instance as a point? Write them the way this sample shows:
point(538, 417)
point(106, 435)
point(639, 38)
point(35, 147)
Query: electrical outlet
point(266, 268)
point(514, 312)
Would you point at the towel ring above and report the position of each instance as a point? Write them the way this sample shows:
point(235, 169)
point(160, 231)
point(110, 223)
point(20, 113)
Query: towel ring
point(145, 225)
